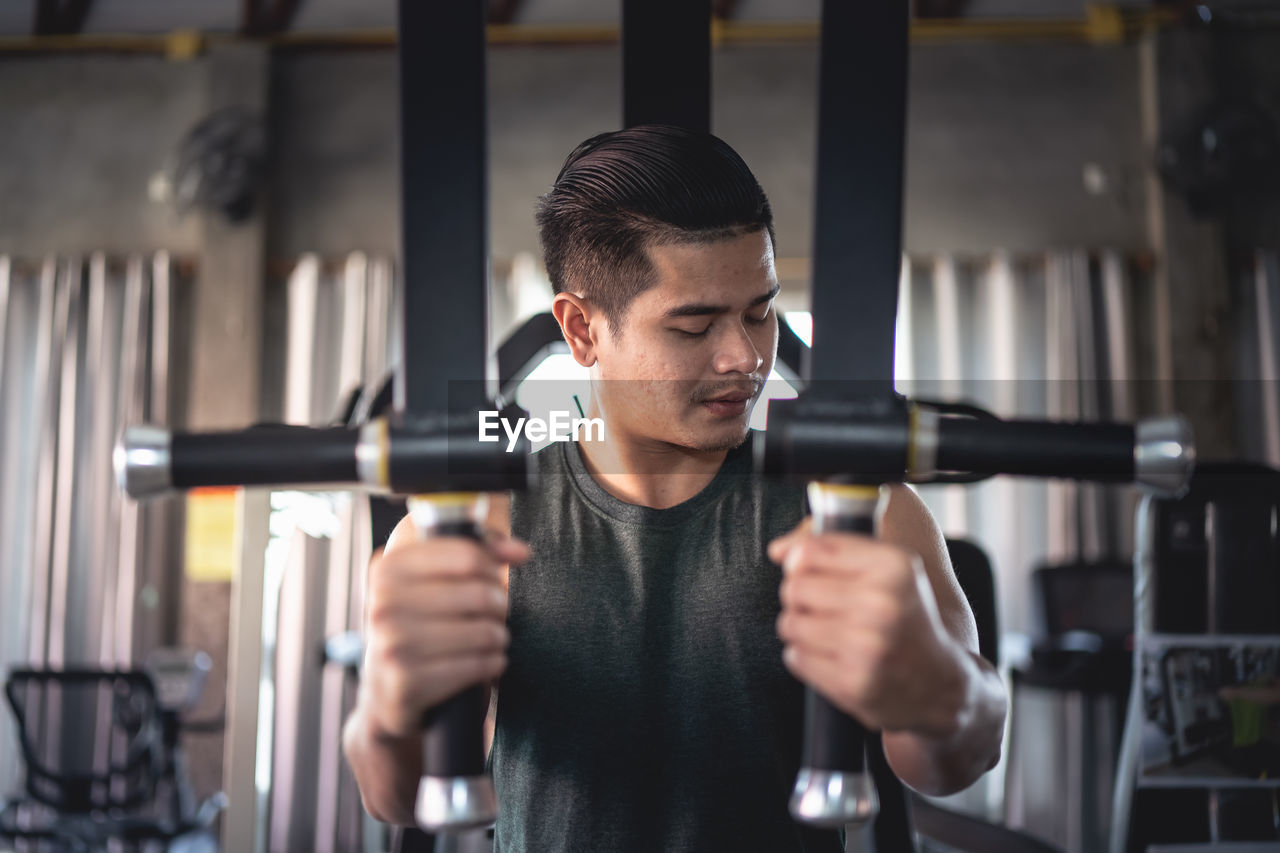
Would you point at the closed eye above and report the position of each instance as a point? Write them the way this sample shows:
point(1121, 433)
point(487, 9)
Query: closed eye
point(689, 334)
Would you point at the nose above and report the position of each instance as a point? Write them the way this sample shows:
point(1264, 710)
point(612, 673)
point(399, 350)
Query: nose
point(738, 353)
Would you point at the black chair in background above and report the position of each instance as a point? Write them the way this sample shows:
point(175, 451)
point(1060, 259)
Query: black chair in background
point(103, 762)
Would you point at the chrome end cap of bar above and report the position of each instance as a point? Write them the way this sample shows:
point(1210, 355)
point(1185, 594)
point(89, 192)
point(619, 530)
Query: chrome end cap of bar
point(1164, 455)
point(452, 804)
point(833, 798)
point(143, 462)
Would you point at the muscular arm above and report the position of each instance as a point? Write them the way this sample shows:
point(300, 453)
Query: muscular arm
point(971, 708)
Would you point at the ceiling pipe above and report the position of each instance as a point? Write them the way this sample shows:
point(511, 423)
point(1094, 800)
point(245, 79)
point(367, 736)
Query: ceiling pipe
point(1103, 25)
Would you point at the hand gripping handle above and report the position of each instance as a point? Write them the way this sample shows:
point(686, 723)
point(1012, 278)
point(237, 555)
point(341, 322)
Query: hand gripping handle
point(833, 787)
point(455, 793)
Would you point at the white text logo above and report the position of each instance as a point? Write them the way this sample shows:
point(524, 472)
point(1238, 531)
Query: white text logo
point(562, 427)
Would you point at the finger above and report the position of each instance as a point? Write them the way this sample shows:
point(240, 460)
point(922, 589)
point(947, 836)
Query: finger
point(815, 593)
point(442, 556)
point(839, 553)
point(402, 695)
point(442, 638)
point(822, 635)
point(416, 599)
point(831, 593)
point(834, 679)
point(858, 603)
point(506, 549)
point(446, 677)
point(778, 548)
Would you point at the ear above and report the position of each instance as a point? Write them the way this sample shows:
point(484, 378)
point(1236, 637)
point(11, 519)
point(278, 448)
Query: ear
point(574, 314)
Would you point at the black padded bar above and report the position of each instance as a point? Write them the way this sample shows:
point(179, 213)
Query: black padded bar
point(444, 247)
point(857, 254)
point(666, 63)
point(1037, 449)
point(264, 456)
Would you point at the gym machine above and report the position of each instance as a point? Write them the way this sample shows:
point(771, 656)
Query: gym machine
point(427, 447)
point(849, 419)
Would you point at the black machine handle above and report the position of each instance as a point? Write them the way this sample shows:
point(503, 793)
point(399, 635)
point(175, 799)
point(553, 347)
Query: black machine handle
point(889, 439)
point(455, 793)
point(834, 787)
point(873, 440)
point(1101, 452)
point(438, 453)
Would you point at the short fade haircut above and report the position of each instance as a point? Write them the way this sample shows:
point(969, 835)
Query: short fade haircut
point(621, 192)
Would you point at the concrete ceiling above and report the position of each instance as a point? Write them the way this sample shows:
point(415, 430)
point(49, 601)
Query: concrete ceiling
point(17, 17)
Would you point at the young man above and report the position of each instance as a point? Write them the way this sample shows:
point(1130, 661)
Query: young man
point(663, 607)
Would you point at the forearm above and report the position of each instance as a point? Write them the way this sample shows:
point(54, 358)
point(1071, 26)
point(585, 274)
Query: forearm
point(968, 742)
point(387, 769)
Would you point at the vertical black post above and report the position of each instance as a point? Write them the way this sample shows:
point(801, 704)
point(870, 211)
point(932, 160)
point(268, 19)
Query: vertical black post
point(857, 253)
point(444, 245)
point(666, 63)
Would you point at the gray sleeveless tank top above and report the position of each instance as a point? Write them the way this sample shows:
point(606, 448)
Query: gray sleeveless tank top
point(646, 706)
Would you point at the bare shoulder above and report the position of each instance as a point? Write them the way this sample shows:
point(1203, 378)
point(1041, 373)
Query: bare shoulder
point(908, 523)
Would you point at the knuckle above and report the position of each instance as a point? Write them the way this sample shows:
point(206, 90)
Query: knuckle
point(379, 652)
point(804, 551)
point(464, 557)
point(400, 650)
point(495, 665)
point(499, 635)
point(478, 667)
point(396, 690)
point(477, 597)
point(377, 604)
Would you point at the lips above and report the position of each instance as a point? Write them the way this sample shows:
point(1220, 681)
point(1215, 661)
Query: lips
point(735, 395)
point(729, 404)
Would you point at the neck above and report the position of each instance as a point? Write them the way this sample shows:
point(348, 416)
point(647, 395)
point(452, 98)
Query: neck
point(646, 472)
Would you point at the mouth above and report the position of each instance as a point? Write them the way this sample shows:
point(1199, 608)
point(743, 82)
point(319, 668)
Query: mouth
point(729, 404)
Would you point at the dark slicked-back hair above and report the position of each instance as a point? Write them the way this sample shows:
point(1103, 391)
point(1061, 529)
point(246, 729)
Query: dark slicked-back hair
point(621, 192)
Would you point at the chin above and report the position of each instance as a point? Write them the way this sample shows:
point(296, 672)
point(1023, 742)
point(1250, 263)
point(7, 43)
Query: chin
point(722, 439)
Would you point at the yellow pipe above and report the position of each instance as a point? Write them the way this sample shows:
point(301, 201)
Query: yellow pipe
point(1103, 24)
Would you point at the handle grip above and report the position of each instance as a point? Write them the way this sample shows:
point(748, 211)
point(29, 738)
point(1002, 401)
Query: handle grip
point(833, 787)
point(454, 793)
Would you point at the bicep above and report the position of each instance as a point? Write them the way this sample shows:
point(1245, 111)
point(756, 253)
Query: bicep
point(908, 523)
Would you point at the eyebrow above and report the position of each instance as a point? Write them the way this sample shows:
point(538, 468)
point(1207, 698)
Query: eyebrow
point(698, 309)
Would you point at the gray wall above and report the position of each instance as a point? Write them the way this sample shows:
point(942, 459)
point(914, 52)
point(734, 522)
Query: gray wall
point(999, 137)
point(80, 138)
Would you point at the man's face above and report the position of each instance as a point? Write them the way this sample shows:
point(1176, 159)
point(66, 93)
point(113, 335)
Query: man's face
point(694, 351)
